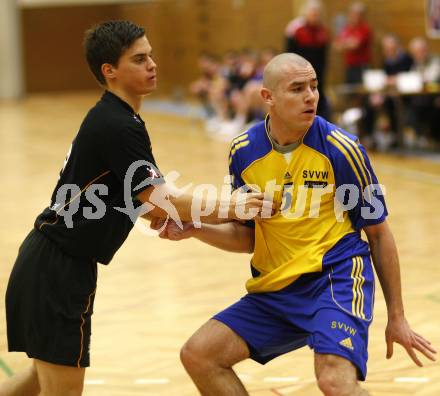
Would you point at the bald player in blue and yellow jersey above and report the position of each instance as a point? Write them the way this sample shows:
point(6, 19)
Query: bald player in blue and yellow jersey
point(312, 278)
point(310, 233)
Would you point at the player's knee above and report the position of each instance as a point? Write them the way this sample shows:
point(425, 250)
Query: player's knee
point(331, 383)
point(62, 386)
point(32, 373)
point(32, 380)
point(64, 390)
point(192, 355)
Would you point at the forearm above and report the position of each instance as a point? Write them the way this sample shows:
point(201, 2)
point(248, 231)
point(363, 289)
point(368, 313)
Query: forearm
point(191, 208)
point(165, 200)
point(182, 206)
point(232, 237)
point(386, 263)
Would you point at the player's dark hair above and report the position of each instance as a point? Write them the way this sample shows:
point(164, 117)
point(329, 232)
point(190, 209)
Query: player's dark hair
point(107, 41)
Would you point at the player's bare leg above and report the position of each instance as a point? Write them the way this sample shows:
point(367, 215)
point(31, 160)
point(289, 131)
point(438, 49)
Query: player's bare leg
point(24, 383)
point(337, 376)
point(57, 380)
point(208, 357)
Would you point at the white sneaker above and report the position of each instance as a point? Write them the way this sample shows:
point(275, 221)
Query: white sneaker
point(232, 128)
point(383, 140)
point(213, 124)
point(422, 143)
point(409, 138)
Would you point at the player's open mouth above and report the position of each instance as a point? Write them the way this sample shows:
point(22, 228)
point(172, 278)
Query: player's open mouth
point(310, 111)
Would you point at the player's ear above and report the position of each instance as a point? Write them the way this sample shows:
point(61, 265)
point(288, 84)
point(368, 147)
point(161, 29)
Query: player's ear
point(267, 96)
point(108, 71)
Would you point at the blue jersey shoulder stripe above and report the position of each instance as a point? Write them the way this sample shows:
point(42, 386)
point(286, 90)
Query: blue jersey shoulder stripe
point(358, 152)
point(354, 156)
point(249, 147)
point(347, 156)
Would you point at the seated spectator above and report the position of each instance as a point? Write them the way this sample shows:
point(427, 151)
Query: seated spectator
point(381, 121)
point(308, 37)
point(231, 90)
point(235, 101)
point(255, 109)
point(395, 59)
point(424, 114)
point(424, 62)
point(209, 81)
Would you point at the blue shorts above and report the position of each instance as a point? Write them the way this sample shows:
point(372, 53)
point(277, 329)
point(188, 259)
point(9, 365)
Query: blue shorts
point(330, 311)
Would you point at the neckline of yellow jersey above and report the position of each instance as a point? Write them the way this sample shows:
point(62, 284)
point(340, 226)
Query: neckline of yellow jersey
point(266, 128)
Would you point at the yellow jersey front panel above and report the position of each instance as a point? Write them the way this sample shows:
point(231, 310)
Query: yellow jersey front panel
point(305, 228)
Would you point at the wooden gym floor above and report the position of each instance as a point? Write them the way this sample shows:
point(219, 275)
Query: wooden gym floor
point(156, 293)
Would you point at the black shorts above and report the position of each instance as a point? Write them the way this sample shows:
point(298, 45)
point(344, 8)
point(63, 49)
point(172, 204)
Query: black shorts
point(49, 303)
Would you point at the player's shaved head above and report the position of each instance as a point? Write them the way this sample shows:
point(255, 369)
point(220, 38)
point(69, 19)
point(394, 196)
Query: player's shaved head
point(274, 70)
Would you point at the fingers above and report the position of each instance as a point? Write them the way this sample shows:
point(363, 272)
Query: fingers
point(243, 195)
point(153, 223)
point(416, 342)
point(401, 333)
point(422, 338)
point(244, 204)
point(266, 207)
point(173, 232)
point(425, 343)
point(157, 223)
point(389, 349)
point(255, 195)
point(255, 198)
point(169, 232)
point(424, 348)
point(409, 349)
point(256, 202)
point(413, 356)
point(163, 234)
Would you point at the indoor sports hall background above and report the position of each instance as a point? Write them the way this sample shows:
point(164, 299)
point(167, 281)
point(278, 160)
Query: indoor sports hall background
point(156, 293)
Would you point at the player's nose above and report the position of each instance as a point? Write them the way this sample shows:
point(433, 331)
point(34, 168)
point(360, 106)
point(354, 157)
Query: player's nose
point(309, 95)
point(151, 64)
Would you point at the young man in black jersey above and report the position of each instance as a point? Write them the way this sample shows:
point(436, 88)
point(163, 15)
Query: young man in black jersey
point(49, 300)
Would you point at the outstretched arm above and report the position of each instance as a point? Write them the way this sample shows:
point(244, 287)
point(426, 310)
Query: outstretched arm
point(386, 264)
point(232, 237)
point(166, 200)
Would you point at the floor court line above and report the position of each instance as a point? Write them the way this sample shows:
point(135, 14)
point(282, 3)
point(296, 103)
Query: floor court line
point(281, 379)
point(415, 380)
point(152, 381)
point(94, 382)
point(6, 369)
point(244, 377)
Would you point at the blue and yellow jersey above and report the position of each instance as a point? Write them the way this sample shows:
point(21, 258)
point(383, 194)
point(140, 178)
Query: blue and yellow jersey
point(326, 191)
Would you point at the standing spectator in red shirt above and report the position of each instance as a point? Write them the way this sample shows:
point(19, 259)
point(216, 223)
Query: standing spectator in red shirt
point(307, 36)
point(355, 41)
